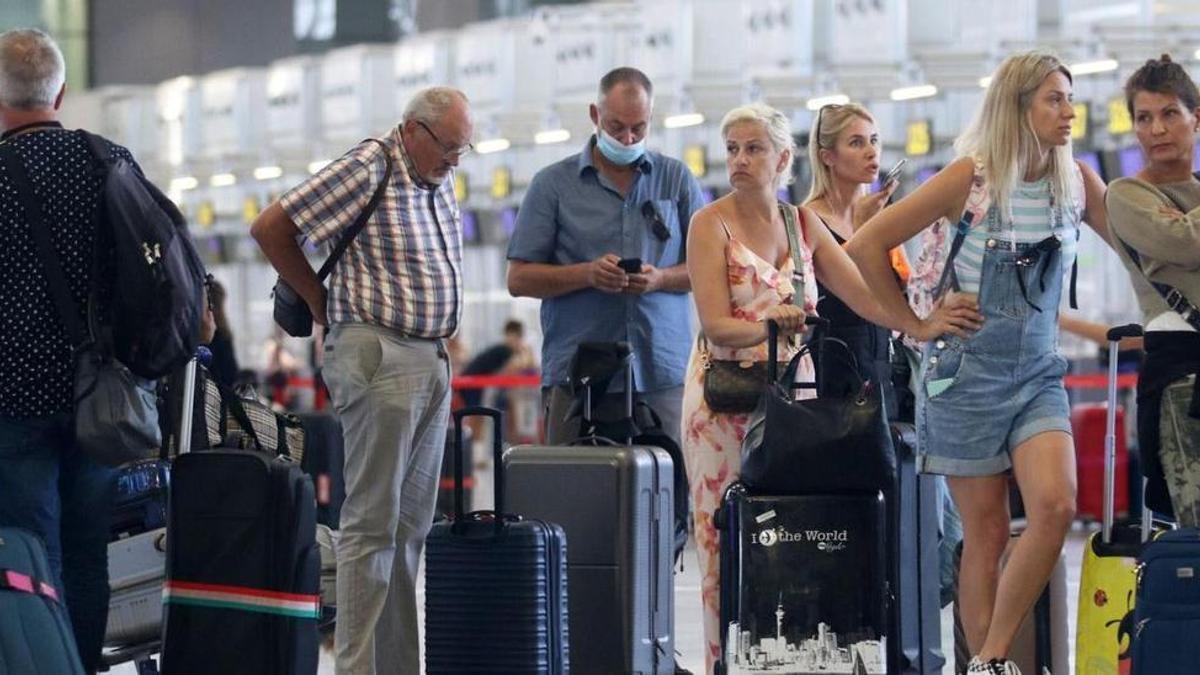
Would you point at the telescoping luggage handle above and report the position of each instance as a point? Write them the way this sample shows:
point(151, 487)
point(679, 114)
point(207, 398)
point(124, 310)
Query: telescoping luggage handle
point(460, 515)
point(188, 409)
point(1115, 335)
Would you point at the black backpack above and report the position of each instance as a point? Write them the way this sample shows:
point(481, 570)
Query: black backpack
point(158, 291)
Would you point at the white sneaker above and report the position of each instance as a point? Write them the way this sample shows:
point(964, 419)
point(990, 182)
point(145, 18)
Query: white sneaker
point(993, 667)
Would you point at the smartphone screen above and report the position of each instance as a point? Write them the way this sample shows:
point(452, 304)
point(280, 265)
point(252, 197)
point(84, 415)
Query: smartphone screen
point(630, 265)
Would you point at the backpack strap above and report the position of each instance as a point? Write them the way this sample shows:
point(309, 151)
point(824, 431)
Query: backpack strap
point(368, 210)
point(979, 201)
point(39, 229)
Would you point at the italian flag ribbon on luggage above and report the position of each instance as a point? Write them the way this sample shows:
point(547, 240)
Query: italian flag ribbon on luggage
point(241, 598)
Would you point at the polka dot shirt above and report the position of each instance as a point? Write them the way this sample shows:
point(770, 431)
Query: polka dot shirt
point(36, 357)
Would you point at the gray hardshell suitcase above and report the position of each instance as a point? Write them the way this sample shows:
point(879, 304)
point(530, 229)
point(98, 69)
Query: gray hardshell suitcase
point(136, 567)
point(616, 505)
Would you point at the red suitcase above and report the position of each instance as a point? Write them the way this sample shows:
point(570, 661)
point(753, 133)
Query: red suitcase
point(1087, 425)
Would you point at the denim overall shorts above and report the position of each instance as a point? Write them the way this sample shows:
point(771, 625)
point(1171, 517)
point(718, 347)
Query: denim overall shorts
point(982, 396)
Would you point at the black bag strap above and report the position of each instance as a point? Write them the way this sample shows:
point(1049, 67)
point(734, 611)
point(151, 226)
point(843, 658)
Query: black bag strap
point(233, 403)
point(1175, 299)
point(363, 217)
point(39, 229)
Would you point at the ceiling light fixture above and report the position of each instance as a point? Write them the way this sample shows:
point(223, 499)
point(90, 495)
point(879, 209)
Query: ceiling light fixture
point(917, 91)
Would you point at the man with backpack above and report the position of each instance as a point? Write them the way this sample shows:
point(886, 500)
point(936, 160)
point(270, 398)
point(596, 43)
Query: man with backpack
point(48, 484)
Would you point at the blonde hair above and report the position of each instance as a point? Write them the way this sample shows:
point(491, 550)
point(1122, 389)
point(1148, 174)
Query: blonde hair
point(1001, 138)
point(779, 130)
point(829, 123)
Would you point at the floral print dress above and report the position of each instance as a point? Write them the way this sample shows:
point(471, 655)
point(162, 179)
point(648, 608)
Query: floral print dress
point(712, 442)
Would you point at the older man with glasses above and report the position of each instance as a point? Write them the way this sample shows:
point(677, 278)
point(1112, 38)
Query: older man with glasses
point(393, 299)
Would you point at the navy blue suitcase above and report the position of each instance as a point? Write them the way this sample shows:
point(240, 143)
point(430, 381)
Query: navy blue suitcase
point(495, 585)
point(1167, 611)
point(35, 634)
point(140, 498)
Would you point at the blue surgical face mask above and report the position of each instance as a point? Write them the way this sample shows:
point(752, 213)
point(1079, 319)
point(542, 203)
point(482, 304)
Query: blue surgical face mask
point(617, 152)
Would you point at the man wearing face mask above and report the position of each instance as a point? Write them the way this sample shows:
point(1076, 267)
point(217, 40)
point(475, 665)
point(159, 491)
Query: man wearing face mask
point(600, 238)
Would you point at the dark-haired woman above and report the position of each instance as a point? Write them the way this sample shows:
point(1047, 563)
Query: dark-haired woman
point(1154, 218)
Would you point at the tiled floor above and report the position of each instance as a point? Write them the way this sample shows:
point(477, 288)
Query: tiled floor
point(687, 613)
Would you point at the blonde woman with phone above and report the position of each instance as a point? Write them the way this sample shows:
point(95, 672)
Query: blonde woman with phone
point(844, 151)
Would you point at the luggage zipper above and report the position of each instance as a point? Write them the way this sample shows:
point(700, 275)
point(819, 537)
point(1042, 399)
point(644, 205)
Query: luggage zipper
point(1141, 626)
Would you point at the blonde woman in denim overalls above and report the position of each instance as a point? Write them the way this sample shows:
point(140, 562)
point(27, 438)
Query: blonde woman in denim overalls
point(992, 399)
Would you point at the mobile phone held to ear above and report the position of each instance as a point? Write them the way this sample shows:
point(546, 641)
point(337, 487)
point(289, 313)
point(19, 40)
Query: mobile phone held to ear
point(895, 172)
point(630, 265)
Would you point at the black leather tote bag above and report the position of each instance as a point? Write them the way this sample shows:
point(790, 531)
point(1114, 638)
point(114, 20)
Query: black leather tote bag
point(829, 444)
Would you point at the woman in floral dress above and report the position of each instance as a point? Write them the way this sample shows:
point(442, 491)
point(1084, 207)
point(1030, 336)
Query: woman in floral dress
point(742, 274)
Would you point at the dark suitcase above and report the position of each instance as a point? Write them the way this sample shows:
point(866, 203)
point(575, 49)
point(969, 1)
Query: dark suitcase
point(804, 584)
point(615, 505)
point(915, 565)
point(495, 585)
point(1167, 614)
point(35, 634)
point(242, 590)
point(324, 460)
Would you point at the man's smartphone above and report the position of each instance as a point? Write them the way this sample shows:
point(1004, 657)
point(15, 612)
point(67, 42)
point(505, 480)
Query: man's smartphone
point(630, 265)
point(894, 173)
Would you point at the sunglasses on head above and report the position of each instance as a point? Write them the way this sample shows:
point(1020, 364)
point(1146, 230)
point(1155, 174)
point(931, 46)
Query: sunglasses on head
point(821, 117)
point(657, 226)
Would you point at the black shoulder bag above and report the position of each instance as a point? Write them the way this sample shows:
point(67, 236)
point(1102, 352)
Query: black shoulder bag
point(291, 311)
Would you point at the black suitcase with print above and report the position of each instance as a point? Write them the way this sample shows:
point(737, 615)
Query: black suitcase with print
point(804, 583)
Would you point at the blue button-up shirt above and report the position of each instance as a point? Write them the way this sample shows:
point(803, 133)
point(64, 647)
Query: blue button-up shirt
point(573, 214)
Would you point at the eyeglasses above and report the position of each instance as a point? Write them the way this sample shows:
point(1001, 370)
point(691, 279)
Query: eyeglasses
point(657, 226)
point(448, 151)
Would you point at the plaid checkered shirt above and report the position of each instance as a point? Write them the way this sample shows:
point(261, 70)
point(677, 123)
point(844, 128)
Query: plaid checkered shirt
point(404, 270)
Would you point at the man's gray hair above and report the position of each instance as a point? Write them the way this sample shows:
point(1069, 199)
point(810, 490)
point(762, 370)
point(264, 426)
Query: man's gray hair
point(431, 103)
point(32, 70)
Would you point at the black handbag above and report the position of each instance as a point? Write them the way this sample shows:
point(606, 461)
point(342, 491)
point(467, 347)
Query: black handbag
point(830, 444)
point(116, 414)
point(730, 386)
point(736, 386)
point(291, 312)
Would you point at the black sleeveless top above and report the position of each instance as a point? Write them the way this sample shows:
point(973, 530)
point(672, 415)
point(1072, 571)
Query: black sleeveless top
point(870, 344)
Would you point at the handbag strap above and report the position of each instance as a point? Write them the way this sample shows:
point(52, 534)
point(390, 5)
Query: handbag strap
point(361, 221)
point(39, 229)
point(799, 282)
point(234, 403)
point(1175, 299)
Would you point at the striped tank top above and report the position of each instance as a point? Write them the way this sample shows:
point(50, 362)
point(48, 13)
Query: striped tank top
point(1035, 216)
